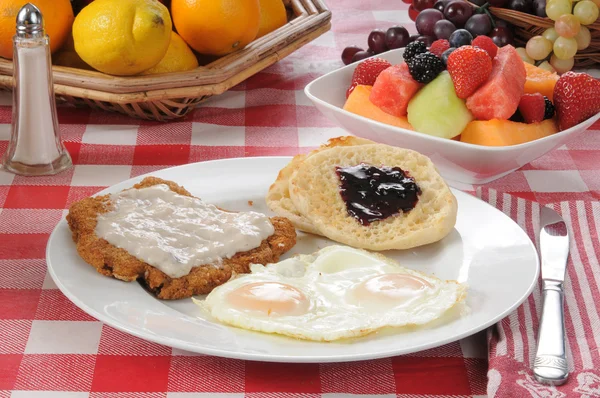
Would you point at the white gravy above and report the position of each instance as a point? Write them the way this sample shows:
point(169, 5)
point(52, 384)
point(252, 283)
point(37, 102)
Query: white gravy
point(174, 233)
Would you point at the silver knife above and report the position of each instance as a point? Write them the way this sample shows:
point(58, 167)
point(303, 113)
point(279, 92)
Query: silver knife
point(550, 364)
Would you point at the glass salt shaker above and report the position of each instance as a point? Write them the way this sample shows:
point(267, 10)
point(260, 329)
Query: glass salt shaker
point(35, 147)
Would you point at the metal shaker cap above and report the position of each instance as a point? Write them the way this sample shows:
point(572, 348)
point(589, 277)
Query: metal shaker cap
point(30, 23)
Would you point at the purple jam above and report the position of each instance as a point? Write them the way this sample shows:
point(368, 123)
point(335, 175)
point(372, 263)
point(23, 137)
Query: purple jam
point(376, 193)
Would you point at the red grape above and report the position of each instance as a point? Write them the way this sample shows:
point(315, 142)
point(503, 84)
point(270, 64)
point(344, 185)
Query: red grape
point(421, 5)
point(396, 37)
point(458, 12)
point(413, 38)
point(501, 36)
point(360, 55)
point(479, 25)
point(412, 13)
point(440, 5)
point(443, 29)
point(500, 23)
point(407, 1)
point(426, 39)
point(498, 3)
point(376, 41)
point(539, 7)
point(426, 21)
point(525, 6)
point(348, 53)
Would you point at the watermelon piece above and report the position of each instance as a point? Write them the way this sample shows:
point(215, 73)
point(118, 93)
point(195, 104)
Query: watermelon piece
point(499, 97)
point(393, 89)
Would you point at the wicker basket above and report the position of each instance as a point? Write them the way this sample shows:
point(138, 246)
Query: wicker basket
point(171, 96)
point(527, 26)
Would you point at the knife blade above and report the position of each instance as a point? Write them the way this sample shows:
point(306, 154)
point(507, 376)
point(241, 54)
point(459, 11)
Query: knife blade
point(550, 364)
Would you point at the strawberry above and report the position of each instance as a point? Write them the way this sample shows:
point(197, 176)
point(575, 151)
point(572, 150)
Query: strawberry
point(487, 44)
point(367, 71)
point(351, 89)
point(532, 107)
point(469, 68)
point(576, 98)
point(439, 46)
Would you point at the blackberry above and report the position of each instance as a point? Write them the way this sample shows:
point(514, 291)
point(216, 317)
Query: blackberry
point(549, 111)
point(425, 67)
point(517, 117)
point(414, 48)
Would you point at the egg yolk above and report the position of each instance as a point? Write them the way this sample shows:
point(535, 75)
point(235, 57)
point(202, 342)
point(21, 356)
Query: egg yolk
point(269, 298)
point(395, 288)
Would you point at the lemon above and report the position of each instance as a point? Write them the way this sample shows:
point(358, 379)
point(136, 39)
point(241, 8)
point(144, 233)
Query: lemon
point(179, 58)
point(122, 37)
point(67, 56)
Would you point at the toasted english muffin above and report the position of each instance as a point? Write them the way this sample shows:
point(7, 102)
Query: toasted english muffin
point(278, 196)
point(314, 189)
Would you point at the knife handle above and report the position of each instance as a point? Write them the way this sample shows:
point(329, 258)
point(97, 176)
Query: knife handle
point(550, 364)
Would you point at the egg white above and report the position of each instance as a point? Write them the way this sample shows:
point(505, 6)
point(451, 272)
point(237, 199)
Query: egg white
point(339, 306)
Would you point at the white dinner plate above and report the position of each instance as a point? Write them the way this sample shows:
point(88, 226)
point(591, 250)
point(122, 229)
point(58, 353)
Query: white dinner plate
point(486, 250)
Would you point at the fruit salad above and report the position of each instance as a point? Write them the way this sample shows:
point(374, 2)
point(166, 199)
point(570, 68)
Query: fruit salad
point(472, 91)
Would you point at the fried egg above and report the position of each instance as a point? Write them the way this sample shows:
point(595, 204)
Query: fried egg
point(338, 292)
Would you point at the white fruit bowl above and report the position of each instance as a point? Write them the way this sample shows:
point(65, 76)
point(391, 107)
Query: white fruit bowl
point(456, 161)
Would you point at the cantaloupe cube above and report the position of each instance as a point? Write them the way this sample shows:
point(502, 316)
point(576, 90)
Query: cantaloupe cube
point(540, 81)
point(358, 102)
point(498, 132)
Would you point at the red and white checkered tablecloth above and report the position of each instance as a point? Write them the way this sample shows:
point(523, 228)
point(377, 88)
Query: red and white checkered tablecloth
point(49, 348)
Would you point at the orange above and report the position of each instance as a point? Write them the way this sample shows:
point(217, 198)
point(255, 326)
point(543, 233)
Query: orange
point(272, 16)
point(216, 27)
point(58, 19)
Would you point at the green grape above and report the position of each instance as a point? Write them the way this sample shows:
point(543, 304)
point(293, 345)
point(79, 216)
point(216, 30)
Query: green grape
point(550, 34)
point(583, 38)
point(561, 65)
point(538, 47)
point(546, 66)
point(523, 54)
point(565, 48)
point(567, 25)
point(556, 8)
point(586, 12)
